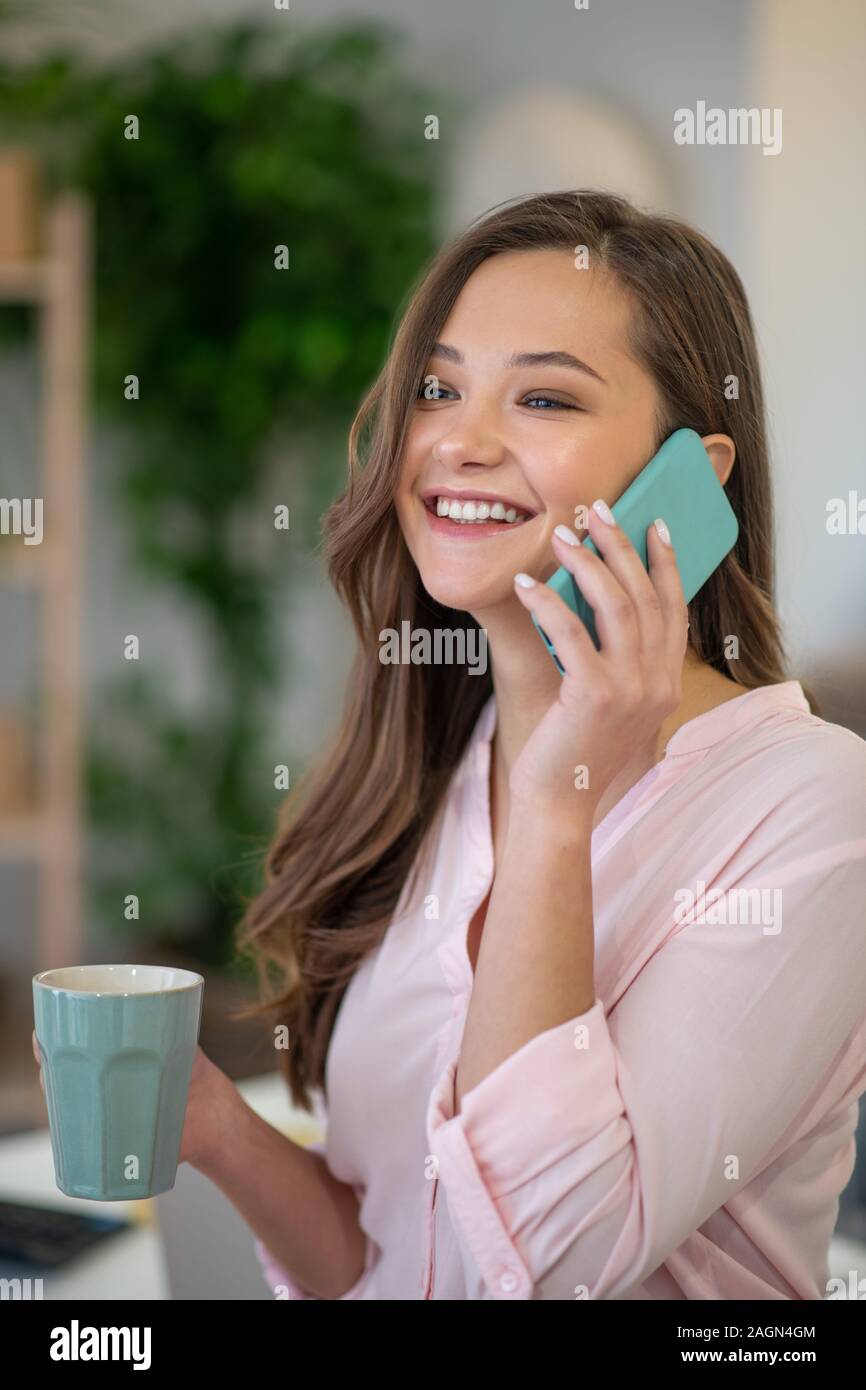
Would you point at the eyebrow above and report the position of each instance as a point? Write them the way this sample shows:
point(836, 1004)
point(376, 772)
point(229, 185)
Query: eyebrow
point(553, 358)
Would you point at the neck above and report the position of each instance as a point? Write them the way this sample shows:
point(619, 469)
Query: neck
point(526, 687)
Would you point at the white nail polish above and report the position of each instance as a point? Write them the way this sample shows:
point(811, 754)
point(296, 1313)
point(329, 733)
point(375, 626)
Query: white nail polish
point(525, 581)
point(663, 531)
point(566, 534)
point(604, 512)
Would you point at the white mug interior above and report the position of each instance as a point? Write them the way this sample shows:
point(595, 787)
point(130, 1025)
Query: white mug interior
point(118, 979)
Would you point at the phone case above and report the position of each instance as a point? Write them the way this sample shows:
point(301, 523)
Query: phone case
point(678, 484)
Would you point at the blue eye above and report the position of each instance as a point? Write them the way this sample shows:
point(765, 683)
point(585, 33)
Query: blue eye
point(441, 393)
point(424, 388)
point(557, 405)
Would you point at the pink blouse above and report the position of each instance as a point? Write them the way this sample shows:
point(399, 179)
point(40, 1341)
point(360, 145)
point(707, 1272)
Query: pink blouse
point(689, 1135)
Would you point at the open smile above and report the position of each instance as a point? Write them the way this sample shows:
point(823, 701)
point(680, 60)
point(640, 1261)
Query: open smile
point(467, 518)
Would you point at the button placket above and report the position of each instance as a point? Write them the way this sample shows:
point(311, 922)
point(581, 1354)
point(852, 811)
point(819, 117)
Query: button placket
point(442, 1047)
point(454, 958)
point(452, 1029)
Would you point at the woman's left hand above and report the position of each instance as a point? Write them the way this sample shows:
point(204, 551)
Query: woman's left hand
point(613, 701)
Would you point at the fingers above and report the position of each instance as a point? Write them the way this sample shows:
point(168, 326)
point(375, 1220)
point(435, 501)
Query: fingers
point(665, 575)
point(38, 1056)
point(637, 611)
point(622, 562)
point(570, 638)
point(655, 592)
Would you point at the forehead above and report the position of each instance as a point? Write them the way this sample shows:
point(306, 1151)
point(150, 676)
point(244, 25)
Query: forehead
point(536, 300)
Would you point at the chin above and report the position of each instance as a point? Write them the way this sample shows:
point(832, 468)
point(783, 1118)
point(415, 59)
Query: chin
point(466, 595)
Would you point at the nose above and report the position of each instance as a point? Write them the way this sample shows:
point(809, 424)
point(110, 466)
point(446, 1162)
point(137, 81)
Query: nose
point(469, 437)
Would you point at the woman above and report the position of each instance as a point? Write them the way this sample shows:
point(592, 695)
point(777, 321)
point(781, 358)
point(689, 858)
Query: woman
point(548, 1078)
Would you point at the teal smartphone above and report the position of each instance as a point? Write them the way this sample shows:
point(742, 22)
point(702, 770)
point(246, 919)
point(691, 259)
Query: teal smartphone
point(678, 484)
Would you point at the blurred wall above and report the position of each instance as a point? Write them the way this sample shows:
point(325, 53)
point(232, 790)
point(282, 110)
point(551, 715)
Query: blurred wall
point(803, 266)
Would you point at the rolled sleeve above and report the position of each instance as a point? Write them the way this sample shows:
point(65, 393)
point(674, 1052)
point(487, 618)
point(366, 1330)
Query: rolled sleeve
point(283, 1286)
point(500, 1158)
point(582, 1162)
point(281, 1283)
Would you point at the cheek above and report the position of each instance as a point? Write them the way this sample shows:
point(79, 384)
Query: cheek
point(560, 471)
point(416, 450)
point(421, 432)
point(407, 509)
point(571, 472)
point(402, 508)
point(402, 496)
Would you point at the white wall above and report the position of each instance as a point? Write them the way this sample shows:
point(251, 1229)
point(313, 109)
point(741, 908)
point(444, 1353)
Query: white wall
point(804, 270)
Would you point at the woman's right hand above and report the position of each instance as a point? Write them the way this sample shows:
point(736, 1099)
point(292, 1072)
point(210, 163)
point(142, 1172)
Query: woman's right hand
point(38, 1055)
point(211, 1094)
point(208, 1107)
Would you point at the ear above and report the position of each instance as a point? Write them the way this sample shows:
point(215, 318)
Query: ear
point(722, 451)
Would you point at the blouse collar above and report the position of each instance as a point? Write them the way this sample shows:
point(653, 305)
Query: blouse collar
point(699, 733)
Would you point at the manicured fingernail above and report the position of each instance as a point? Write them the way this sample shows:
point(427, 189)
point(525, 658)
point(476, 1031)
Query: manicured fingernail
point(663, 531)
point(525, 581)
point(604, 512)
point(566, 534)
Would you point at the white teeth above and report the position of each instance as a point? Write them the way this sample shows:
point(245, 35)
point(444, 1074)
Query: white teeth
point(470, 511)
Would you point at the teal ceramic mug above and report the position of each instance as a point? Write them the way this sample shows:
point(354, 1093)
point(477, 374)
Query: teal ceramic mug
point(118, 1044)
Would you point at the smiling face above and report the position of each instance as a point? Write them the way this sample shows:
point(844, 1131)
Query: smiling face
point(538, 403)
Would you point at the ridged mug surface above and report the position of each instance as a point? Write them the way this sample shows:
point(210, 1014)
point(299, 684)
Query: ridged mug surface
point(118, 1045)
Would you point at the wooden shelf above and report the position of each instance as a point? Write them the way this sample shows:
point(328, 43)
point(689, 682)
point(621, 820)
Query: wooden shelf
point(23, 837)
point(25, 566)
point(26, 282)
point(59, 287)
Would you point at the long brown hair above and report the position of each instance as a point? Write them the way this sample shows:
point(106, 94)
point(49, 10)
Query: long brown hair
point(356, 823)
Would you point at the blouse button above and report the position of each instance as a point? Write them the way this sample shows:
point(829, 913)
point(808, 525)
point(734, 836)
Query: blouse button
point(508, 1281)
